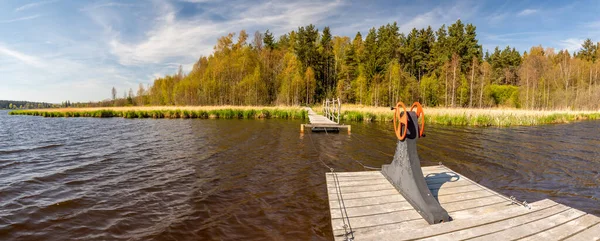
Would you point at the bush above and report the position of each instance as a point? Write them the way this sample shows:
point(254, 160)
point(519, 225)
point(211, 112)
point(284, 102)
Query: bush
point(504, 95)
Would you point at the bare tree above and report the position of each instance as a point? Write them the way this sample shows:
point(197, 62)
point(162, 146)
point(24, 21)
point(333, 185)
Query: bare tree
point(472, 80)
point(455, 63)
point(180, 74)
point(114, 94)
point(140, 94)
point(257, 43)
point(446, 84)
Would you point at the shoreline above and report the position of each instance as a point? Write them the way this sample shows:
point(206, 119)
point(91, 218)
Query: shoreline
point(470, 116)
point(356, 113)
point(173, 112)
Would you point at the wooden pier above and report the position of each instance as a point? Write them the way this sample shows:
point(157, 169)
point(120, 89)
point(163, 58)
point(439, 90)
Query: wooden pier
point(322, 123)
point(375, 210)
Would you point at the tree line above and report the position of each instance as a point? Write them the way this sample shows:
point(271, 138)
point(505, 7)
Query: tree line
point(14, 104)
point(446, 67)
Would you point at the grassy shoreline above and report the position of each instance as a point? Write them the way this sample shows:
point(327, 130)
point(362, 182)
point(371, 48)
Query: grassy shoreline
point(358, 113)
point(471, 117)
point(172, 112)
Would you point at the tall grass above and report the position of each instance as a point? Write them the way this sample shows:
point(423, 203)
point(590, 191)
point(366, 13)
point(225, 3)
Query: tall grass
point(471, 117)
point(204, 112)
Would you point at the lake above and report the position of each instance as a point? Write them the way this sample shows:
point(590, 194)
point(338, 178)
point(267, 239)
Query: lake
point(183, 179)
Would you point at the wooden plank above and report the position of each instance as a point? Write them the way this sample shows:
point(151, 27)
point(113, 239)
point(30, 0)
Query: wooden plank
point(592, 233)
point(384, 209)
point(362, 195)
point(437, 170)
point(527, 229)
point(354, 174)
point(433, 170)
point(567, 229)
point(438, 185)
point(333, 203)
point(378, 216)
point(426, 170)
point(376, 220)
point(359, 183)
point(331, 179)
point(456, 190)
point(472, 203)
point(372, 209)
point(374, 187)
point(363, 233)
point(442, 199)
point(438, 180)
point(483, 210)
point(446, 197)
point(500, 225)
point(407, 232)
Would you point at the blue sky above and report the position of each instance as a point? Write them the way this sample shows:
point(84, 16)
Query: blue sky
point(56, 50)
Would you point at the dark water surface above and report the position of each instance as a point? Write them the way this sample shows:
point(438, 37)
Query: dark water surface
point(146, 179)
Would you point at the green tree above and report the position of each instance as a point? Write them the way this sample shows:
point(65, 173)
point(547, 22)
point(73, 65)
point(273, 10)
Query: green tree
point(269, 40)
point(311, 85)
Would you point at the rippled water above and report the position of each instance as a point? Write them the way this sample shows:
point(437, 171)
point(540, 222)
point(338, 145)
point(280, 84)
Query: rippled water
point(122, 179)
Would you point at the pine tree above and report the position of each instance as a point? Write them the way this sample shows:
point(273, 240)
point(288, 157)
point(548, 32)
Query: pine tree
point(269, 40)
point(327, 61)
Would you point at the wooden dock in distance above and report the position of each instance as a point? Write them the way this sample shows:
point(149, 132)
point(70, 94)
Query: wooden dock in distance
point(322, 123)
point(377, 211)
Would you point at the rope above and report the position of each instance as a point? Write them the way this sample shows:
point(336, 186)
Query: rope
point(340, 198)
point(367, 167)
point(343, 206)
point(319, 156)
point(362, 141)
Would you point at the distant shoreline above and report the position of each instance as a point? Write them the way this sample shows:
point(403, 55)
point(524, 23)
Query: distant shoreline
point(472, 116)
point(173, 112)
point(441, 116)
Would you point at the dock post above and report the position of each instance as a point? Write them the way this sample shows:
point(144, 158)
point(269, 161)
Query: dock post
point(349, 129)
point(301, 128)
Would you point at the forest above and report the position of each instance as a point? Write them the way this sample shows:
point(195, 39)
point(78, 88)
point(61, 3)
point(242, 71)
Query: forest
point(14, 104)
point(442, 68)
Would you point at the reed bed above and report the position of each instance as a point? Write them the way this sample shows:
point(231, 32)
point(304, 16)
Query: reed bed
point(196, 112)
point(471, 117)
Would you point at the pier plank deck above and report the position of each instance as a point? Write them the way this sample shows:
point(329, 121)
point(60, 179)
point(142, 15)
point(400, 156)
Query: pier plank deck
point(377, 211)
point(322, 123)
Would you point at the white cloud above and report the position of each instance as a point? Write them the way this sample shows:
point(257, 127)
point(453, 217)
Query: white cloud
point(32, 5)
point(288, 16)
point(571, 44)
point(497, 18)
point(187, 39)
point(171, 39)
point(440, 15)
point(105, 5)
point(24, 58)
point(528, 12)
point(197, 1)
point(38, 77)
point(20, 19)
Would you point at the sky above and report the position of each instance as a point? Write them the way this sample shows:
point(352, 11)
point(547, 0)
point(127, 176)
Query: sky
point(58, 50)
